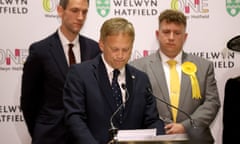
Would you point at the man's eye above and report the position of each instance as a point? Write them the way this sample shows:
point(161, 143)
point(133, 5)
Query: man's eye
point(166, 32)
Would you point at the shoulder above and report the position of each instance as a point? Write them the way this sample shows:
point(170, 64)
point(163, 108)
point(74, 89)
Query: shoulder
point(46, 42)
point(234, 80)
point(145, 60)
point(136, 72)
point(199, 61)
point(88, 65)
point(87, 40)
point(50, 38)
point(197, 58)
point(89, 46)
point(41, 47)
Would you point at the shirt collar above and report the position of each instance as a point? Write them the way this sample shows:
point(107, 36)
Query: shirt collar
point(65, 41)
point(165, 58)
point(110, 69)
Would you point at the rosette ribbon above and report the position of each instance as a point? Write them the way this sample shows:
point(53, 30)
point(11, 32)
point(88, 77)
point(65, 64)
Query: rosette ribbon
point(190, 69)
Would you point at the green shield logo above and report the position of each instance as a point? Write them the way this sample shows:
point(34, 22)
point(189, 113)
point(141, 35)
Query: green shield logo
point(103, 7)
point(233, 7)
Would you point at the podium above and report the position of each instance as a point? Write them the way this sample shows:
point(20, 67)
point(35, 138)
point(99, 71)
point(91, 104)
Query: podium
point(149, 137)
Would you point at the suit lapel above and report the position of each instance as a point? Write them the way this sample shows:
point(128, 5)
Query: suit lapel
point(157, 69)
point(57, 53)
point(104, 83)
point(130, 85)
point(83, 50)
point(185, 83)
point(185, 86)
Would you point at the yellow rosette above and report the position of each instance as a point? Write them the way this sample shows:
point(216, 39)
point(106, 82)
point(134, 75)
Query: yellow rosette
point(190, 69)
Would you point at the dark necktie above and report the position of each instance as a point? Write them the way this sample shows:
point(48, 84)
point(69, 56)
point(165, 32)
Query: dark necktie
point(117, 94)
point(71, 56)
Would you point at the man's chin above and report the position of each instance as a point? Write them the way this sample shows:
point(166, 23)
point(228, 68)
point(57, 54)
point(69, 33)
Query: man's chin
point(76, 31)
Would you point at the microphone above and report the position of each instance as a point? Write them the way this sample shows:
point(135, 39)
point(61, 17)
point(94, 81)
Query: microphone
point(113, 130)
point(127, 93)
point(178, 109)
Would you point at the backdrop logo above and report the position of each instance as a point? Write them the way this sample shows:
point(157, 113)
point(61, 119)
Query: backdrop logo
point(195, 8)
point(139, 54)
point(233, 7)
point(50, 5)
point(12, 59)
point(103, 7)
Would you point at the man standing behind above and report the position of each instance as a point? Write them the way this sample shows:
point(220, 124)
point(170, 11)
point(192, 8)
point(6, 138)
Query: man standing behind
point(192, 88)
point(92, 92)
point(231, 99)
point(45, 70)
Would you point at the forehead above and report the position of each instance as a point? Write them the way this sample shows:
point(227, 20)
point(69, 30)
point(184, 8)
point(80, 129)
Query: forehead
point(119, 41)
point(121, 36)
point(171, 25)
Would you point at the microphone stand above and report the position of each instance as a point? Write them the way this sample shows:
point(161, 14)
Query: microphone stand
point(178, 109)
point(197, 135)
point(113, 131)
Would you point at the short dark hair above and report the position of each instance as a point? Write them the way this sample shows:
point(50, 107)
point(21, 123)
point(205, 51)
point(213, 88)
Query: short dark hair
point(64, 3)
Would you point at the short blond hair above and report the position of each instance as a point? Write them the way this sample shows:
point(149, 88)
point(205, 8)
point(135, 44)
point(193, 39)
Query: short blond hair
point(116, 26)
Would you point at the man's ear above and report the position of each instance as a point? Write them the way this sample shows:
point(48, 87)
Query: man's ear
point(101, 45)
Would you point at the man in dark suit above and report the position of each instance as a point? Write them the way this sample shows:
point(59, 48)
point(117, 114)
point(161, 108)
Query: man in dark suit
point(231, 100)
point(88, 96)
point(45, 70)
point(231, 110)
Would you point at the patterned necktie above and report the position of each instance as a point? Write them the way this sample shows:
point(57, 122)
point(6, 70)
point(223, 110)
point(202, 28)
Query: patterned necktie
point(71, 56)
point(117, 94)
point(174, 87)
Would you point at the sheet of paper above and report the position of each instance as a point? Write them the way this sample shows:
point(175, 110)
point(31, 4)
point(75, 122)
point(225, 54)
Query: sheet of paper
point(148, 135)
point(136, 134)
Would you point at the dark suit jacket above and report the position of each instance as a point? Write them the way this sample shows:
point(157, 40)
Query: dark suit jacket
point(89, 103)
point(43, 78)
point(231, 110)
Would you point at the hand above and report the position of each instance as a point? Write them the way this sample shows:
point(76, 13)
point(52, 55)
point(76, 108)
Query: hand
point(174, 128)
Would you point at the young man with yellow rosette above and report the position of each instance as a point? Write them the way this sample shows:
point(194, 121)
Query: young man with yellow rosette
point(189, 85)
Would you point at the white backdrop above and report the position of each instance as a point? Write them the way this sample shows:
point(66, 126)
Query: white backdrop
point(210, 25)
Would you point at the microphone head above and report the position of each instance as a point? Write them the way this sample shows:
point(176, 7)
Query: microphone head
point(149, 90)
point(123, 86)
